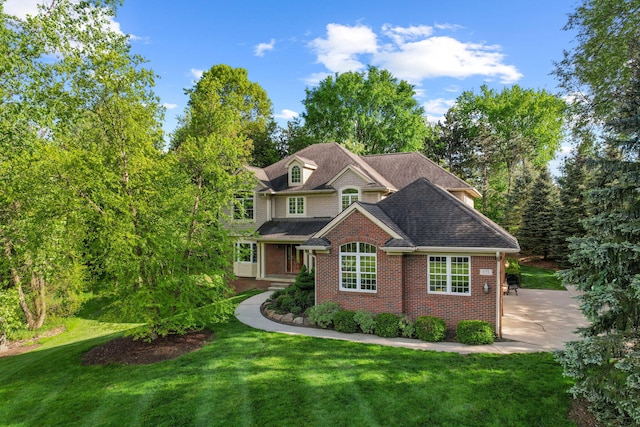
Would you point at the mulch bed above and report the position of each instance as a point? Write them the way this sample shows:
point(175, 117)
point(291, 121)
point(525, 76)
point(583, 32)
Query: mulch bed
point(127, 351)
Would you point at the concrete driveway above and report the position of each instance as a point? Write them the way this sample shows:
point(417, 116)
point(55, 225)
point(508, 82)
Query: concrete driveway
point(534, 320)
point(545, 319)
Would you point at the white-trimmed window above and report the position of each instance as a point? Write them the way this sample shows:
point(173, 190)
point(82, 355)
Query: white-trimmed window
point(349, 196)
point(295, 206)
point(296, 175)
point(246, 252)
point(449, 274)
point(358, 267)
point(243, 208)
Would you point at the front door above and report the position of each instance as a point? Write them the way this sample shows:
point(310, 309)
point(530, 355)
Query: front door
point(293, 259)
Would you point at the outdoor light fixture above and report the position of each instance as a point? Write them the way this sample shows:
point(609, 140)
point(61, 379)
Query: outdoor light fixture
point(486, 288)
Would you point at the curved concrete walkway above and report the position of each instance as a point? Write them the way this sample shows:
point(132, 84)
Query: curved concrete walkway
point(535, 320)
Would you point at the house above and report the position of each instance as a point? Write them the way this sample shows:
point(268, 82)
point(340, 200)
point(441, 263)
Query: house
point(386, 233)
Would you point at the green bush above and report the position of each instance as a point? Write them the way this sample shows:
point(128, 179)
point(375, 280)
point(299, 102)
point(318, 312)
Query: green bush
point(365, 321)
point(343, 322)
point(301, 294)
point(296, 309)
point(474, 332)
point(387, 325)
point(407, 327)
point(305, 280)
point(322, 314)
point(430, 328)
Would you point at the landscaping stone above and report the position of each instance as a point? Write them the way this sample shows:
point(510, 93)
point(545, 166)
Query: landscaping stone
point(298, 321)
point(287, 318)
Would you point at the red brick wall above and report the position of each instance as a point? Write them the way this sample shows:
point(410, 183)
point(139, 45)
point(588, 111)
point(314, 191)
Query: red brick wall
point(451, 308)
point(388, 298)
point(396, 272)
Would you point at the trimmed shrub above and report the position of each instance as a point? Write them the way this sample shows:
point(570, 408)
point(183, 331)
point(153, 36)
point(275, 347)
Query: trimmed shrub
point(387, 325)
point(474, 332)
point(322, 314)
point(365, 321)
point(343, 322)
point(301, 294)
point(305, 280)
point(407, 327)
point(430, 328)
point(296, 309)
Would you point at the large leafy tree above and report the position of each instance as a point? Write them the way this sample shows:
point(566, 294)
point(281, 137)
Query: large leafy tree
point(505, 132)
point(368, 112)
point(605, 261)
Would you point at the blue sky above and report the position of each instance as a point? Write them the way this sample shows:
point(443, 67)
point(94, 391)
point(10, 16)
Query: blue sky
point(442, 47)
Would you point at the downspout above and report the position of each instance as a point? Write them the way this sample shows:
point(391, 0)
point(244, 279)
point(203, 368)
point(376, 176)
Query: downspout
point(498, 291)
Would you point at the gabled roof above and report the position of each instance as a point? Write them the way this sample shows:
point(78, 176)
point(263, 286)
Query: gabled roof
point(424, 216)
point(385, 171)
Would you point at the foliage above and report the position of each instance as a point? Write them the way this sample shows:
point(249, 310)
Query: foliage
point(536, 234)
point(605, 260)
point(498, 132)
point(430, 328)
point(540, 278)
point(300, 295)
point(369, 113)
point(10, 318)
point(365, 321)
point(597, 68)
point(572, 209)
point(343, 322)
point(407, 327)
point(387, 325)
point(474, 332)
point(264, 372)
point(322, 314)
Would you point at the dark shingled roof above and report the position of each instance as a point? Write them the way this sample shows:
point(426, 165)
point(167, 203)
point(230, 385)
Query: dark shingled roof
point(430, 216)
point(392, 171)
point(292, 228)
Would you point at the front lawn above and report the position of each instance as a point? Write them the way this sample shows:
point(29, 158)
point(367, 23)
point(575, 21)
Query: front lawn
point(540, 278)
point(249, 377)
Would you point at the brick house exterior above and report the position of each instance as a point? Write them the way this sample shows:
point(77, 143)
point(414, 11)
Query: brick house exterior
point(389, 233)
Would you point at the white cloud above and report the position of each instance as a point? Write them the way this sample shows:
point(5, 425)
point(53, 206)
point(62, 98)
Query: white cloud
point(169, 106)
point(264, 47)
point(286, 114)
point(197, 74)
point(436, 108)
point(443, 56)
point(339, 51)
point(413, 53)
point(316, 78)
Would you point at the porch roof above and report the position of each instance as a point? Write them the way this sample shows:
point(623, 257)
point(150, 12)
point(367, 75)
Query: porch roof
point(291, 228)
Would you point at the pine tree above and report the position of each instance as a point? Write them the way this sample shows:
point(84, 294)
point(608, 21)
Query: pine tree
point(538, 218)
point(606, 266)
point(571, 208)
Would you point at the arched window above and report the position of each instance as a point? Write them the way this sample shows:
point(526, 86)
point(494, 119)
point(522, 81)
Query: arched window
point(296, 175)
point(349, 196)
point(358, 267)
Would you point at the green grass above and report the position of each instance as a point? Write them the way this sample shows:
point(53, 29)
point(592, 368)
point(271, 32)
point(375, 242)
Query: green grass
point(247, 377)
point(540, 278)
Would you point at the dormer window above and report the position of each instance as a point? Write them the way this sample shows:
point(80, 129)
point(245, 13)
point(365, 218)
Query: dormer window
point(349, 196)
point(296, 175)
point(299, 170)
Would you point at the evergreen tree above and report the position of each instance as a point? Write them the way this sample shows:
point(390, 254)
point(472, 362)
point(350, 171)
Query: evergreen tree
point(518, 201)
point(538, 218)
point(571, 208)
point(606, 266)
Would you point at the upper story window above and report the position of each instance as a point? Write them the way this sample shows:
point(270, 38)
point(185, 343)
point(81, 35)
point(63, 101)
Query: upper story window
point(243, 207)
point(449, 275)
point(349, 196)
point(295, 206)
point(296, 175)
point(358, 267)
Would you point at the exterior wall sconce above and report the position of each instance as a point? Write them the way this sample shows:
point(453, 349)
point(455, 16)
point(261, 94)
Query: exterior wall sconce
point(485, 288)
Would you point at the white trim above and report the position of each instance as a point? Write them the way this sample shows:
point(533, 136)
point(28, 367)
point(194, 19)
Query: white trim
point(305, 164)
point(448, 274)
point(358, 256)
point(293, 183)
point(498, 293)
point(342, 215)
point(340, 195)
point(449, 249)
point(304, 206)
